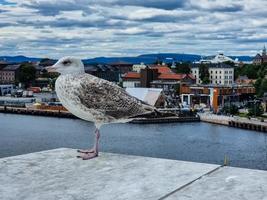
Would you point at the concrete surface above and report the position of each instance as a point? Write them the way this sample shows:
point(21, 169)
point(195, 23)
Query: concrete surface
point(58, 174)
point(227, 183)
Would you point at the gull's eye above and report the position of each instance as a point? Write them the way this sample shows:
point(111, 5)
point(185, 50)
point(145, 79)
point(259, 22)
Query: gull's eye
point(66, 62)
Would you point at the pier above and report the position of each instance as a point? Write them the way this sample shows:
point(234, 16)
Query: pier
point(66, 114)
point(39, 112)
point(165, 120)
point(58, 174)
point(237, 122)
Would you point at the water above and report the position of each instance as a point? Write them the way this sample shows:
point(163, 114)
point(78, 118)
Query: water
point(198, 142)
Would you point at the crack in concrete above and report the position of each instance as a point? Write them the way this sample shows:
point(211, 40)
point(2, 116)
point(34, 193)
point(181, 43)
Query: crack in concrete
point(189, 183)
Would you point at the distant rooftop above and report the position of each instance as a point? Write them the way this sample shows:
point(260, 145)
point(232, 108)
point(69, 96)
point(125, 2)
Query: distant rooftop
point(212, 65)
point(219, 58)
point(11, 68)
point(132, 75)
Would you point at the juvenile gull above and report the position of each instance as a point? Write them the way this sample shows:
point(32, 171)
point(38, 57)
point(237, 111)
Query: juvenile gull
point(94, 99)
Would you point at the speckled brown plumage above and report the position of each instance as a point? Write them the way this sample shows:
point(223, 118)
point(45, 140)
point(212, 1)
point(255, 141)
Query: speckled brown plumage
point(105, 100)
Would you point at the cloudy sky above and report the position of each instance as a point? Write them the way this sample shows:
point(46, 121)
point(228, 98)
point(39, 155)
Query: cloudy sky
point(90, 28)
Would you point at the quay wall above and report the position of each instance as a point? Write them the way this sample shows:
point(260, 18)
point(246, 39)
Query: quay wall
point(236, 122)
point(66, 114)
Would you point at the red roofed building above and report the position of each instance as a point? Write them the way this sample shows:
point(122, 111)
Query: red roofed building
point(176, 77)
point(131, 79)
point(152, 73)
point(162, 69)
point(158, 76)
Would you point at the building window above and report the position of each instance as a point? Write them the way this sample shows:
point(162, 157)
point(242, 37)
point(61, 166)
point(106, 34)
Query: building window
point(211, 71)
point(216, 77)
point(220, 77)
point(226, 72)
point(215, 72)
point(220, 72)
point(211, 77)
point(226, 77)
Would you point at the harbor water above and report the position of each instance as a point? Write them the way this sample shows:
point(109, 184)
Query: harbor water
point(197, 142)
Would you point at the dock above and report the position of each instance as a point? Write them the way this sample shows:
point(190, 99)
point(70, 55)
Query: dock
point(237, 122)
point(67, 114)
point(38, 112)
point(58, 174)
point(165, 120)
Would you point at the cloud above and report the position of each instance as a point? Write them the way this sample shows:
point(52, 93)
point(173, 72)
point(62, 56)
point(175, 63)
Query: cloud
point(218, 5)
point(88, 28)
point(160, 4)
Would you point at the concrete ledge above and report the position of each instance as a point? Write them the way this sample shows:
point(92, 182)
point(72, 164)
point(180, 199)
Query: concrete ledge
point(58, 174)
point(227, 183)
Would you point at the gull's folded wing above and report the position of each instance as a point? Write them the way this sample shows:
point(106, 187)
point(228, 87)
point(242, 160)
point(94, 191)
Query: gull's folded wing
point(106, 97)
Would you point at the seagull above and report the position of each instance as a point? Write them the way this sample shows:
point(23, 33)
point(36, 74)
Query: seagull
point(94, 99)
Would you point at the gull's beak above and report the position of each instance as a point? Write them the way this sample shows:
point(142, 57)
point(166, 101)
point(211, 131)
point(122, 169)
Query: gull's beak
point(52, 68)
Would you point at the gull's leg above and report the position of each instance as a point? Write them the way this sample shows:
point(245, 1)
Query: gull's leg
point(89, 154)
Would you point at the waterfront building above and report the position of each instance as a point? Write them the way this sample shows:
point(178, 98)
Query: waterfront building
point(159, 76)
point(154, 74)
point(244, 80)
point(219, 74)
point(131, 79)
point(215, 96)
point(9, 74)
point(260, 59)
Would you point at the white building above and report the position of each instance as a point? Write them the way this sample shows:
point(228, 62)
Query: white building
point(220, 74)
point(137, 68)
point(219, 58)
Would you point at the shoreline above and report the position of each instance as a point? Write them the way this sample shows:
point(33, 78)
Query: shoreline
point(235, 122)
point(66, 114)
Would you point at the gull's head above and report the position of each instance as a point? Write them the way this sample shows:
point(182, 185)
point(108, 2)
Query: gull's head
point(67, 65)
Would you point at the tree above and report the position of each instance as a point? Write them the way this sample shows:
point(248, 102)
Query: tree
point(260, 86)
point(204, 73)
point(255, 110)
point(27, 74)
point(257, 86)
point(46, 74)
point(230, 109)
point(263, 87)
point(182, 68)
point(249, 70)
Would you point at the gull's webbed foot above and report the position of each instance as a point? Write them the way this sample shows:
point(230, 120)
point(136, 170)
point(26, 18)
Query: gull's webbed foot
point(86, 150)
point(87, 156)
